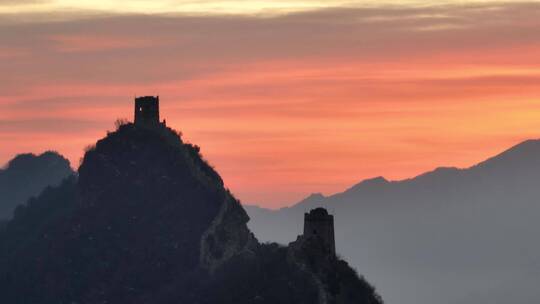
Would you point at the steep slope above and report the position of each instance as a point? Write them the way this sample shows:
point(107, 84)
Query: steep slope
point(472, 229)
point(27, 175)
point(149, 221)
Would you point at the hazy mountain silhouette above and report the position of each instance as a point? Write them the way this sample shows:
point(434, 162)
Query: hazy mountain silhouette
point(448, 236)
point(27, 175)
point(147, 220)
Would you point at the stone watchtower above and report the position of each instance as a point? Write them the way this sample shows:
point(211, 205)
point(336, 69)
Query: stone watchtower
point(319, 224)
point(147, 111)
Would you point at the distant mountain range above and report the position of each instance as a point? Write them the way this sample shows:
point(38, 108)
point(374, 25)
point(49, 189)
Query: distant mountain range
point(27, 175)
point(448, 236)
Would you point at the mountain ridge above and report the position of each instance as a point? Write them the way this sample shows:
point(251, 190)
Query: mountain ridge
point(28, 174)
point(445, 224)
point(515, 154)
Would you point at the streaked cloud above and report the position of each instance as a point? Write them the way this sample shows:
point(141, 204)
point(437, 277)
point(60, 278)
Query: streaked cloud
point(305, 101)
point(204, 7)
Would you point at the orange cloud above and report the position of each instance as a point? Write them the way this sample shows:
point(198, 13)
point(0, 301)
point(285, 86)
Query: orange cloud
point(74, 43)
point(285, 106)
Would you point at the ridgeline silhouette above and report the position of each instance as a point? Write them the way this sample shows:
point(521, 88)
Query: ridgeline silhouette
point(27, 175)
point(472, 229)
point(149, 221)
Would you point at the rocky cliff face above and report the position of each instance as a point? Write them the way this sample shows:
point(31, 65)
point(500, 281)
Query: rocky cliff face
point(149, 221)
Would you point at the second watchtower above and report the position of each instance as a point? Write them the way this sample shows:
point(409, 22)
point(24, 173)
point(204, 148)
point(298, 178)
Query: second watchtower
point(319, 224)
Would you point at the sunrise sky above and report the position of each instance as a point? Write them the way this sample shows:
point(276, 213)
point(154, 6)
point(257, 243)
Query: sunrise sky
point(285, 98)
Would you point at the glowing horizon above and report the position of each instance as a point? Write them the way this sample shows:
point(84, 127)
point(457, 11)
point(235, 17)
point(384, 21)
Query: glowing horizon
point(240, 7)
point(314, 100)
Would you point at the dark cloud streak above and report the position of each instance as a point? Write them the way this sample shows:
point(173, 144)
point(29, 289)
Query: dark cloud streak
point(182, 47)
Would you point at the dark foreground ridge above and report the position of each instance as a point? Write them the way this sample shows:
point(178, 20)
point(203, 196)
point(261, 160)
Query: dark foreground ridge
point(147, 220)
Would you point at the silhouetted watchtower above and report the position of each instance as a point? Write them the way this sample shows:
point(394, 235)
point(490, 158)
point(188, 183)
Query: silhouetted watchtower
point(319, 224)
point(147, 111)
